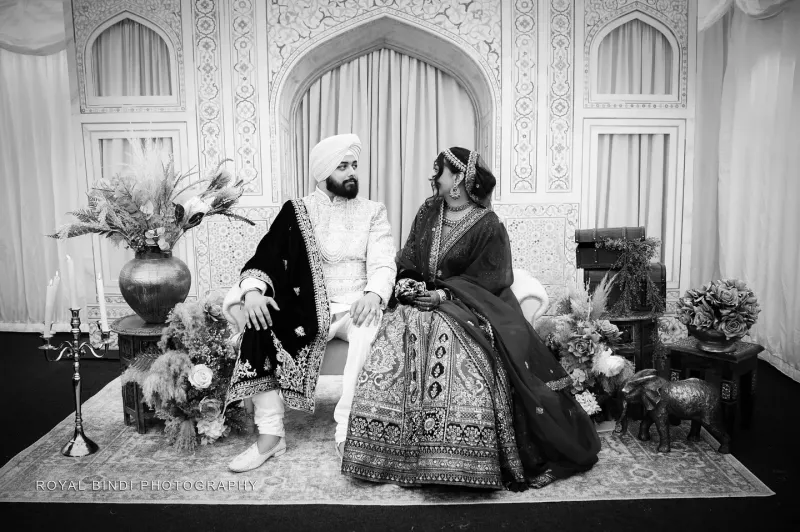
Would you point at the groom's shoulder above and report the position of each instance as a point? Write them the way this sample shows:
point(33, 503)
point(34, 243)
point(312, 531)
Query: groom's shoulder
point(371, 205)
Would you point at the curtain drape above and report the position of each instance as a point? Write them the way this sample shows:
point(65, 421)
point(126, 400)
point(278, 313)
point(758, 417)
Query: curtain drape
point(130, 59)
point(634, 58)
point(33, 27)
point(404, 110)
point(631, 181)
point(746, 172)
point(40, 184)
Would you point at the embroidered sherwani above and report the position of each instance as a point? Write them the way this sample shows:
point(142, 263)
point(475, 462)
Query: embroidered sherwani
point(348, 248)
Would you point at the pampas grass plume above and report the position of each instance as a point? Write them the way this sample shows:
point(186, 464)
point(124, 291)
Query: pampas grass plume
point(186, 439)
point(165, 379)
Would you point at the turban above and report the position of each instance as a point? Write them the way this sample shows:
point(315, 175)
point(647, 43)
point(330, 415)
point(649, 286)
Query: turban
point(328, 154)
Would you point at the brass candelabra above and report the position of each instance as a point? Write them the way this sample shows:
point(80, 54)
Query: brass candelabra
point(79, 445)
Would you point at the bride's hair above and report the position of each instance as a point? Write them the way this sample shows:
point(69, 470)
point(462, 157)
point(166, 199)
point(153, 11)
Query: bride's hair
point(484, 179)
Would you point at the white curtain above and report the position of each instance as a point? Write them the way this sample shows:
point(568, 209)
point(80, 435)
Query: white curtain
point(40, 184)
point(405, 112)
point(747, 171)
point(34, 27)
point(130, 59)
point(632, 181)
point(634, 58)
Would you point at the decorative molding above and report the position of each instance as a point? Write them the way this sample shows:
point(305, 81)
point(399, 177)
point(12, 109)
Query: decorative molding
point(524, 50)
point(208, 82)
point(674, 14)
point(543, 242)
point(223, 246)
point(88, 15)
point(672, 301)
point(294, 26)
point(247, 147)
point(294, 29)
point(560, 77)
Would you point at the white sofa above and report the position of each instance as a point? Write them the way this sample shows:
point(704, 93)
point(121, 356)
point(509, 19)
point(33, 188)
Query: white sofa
point(529, 291)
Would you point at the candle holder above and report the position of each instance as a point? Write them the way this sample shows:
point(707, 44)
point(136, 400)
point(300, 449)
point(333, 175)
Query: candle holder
point(79, 445)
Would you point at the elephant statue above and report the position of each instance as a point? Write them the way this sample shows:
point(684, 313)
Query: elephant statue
point(692, 399)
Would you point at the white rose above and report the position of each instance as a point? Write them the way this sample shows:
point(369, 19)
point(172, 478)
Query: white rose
point(200, 376)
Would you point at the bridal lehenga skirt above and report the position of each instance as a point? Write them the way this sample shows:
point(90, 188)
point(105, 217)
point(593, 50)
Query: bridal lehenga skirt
point(431, 407)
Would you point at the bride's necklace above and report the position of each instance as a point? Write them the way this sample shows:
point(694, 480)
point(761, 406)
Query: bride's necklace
point(459, 208)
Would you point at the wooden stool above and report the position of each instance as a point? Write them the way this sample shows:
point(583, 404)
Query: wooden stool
point(135, 337)
point(734, 373)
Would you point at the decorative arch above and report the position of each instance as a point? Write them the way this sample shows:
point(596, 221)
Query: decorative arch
point(431, 44)
point(119, 101)
point(673, 94)
point(671, 20)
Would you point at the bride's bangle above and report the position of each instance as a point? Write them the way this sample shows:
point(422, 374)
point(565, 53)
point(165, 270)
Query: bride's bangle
point(442, 295)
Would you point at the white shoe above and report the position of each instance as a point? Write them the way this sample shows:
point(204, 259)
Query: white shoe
point(251, 458)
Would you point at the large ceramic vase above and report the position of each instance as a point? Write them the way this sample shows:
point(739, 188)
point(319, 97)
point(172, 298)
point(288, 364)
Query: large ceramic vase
point(153, 283)
point(712, 341)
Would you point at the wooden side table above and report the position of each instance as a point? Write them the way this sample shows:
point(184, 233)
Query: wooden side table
point(135, 337)
point(735, 373)
point(637, 330)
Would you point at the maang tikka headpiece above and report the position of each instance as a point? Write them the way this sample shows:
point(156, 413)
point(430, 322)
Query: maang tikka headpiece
point(468, 170)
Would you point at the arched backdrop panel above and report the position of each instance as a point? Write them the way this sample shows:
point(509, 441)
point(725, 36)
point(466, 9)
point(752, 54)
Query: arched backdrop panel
point(403, 110)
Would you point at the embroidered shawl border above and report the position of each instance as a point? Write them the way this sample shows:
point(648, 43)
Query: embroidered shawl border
point(304, 399)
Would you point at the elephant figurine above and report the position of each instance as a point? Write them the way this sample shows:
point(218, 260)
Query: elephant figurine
point(692, 399)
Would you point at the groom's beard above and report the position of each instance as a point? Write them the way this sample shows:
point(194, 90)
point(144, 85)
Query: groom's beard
point(347, 188)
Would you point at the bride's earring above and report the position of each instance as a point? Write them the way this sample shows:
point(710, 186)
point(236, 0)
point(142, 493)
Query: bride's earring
point(454, 192)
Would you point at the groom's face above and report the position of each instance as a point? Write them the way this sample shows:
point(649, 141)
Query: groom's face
point(344, 181)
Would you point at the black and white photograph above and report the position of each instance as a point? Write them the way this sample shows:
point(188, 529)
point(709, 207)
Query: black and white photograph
point(400, 264)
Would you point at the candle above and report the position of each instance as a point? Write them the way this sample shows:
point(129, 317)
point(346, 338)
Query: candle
point(48, 310)
point(101, 297)
point(56, 282)
point(73, 286)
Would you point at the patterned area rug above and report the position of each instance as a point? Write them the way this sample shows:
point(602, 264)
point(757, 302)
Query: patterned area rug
point(140, 468)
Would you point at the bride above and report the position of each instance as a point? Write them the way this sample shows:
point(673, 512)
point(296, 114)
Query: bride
point(458, 388)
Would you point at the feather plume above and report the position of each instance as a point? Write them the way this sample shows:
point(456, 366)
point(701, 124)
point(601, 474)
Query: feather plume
point(599, 298)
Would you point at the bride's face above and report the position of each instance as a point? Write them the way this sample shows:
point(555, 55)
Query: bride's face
point(442, 185)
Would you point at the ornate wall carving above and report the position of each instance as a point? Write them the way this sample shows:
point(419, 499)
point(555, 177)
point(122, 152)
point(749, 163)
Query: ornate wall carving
point(208, 83)
point(294, 26)
point(674, 14)
point(88, 15)
point(525, 52)
point(560, 76)
point(246, 125)
point(543, 241)
point(222, 247)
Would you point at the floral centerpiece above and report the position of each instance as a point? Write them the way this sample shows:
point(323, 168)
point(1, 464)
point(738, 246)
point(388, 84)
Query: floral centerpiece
point(151, 204)
point(719, 313)
point(584, 344)
point(148, 207)
point(187, 381)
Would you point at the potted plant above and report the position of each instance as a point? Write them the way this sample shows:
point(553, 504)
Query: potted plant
point(149, 208)
point(718, 314)
point(186, 382)
point(585, 345)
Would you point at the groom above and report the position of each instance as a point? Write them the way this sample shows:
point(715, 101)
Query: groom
point(325, 269)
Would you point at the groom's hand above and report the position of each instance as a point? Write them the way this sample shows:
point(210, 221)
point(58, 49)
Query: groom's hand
point(256, 308)
point(366, 310)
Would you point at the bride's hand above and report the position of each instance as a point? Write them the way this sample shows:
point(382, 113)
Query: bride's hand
point(429, 301)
